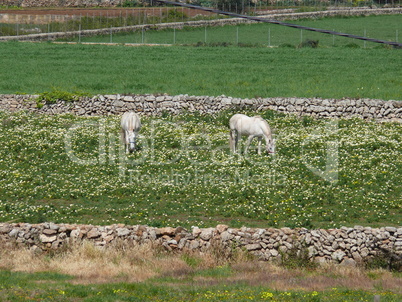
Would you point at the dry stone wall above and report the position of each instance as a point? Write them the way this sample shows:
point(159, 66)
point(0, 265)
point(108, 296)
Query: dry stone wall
point(349, 246)
point(157, 104)
point(63, 3)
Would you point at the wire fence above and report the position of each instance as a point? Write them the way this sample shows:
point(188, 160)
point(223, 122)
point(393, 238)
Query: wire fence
point(291, 25)
point(241, 35)
point(145, 33)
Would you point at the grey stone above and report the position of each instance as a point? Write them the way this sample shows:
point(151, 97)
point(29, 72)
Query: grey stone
point(49, 232)
point(47, 239)
point(338, 255)
point(252, 247)
point(274, 253)
point(13, 233)
point(206, 234)
point(122, 232)
point(225, 236)
point(348, 262)
point(93, 233)
point(391, 229)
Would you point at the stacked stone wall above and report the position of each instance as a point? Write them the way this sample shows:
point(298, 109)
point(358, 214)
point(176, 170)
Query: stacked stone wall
point(62, 3)
point(157, 104)
point(350, 246)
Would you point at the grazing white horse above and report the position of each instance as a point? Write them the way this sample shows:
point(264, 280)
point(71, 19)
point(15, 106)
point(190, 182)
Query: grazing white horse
point(130, 126)
point(255, 126)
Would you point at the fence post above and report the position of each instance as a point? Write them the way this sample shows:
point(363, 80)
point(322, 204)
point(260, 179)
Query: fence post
point(269, 37)
point(111, 37)
point(364, 35)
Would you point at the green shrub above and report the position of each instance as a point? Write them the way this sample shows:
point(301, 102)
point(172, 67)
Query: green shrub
point(128, 3)
point(297, 258)
point(385, 259)
point(191, 260)
point(39, 105)
point(309, 43)
point(173, 15)
point(53, 96)
point(286, 45)
point(7, 30)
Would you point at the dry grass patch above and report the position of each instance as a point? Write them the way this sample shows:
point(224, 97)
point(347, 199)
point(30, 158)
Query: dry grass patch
point(139, 263)
point(88, 263)
point(322, 278)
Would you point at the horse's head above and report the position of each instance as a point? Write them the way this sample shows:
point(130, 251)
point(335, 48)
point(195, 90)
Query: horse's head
point(132, 139)
point(271, 146)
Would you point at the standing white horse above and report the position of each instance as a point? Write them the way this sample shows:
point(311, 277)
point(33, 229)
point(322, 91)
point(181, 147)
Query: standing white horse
point(130, 126)
point(255, 126)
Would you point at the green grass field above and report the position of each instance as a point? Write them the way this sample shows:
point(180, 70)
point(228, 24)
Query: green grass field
point(386, 27)
point(238, 72)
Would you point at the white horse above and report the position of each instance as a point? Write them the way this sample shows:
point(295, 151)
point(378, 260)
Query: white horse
point(130, 126)
point(255, 126)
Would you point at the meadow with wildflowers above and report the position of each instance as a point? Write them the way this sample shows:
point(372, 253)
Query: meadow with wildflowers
point(20, 286)
point(325, 173)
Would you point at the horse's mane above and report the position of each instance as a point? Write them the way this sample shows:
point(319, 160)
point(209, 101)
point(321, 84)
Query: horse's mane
point(258, 117)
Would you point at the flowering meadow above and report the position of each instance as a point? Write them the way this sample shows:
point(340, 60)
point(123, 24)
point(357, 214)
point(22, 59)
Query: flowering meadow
point(200, 285)
point(325, 173)
point(146, 292)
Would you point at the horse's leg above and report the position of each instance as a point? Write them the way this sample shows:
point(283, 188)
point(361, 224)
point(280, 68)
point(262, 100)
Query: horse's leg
point(237, 137)
point(127, 142)
point(232, 141)
point(135, 140)
point(259, 145)
point(123, 138)
point(249, 139)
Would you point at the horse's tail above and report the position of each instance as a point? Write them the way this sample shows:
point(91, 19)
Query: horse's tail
point(235, 123)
